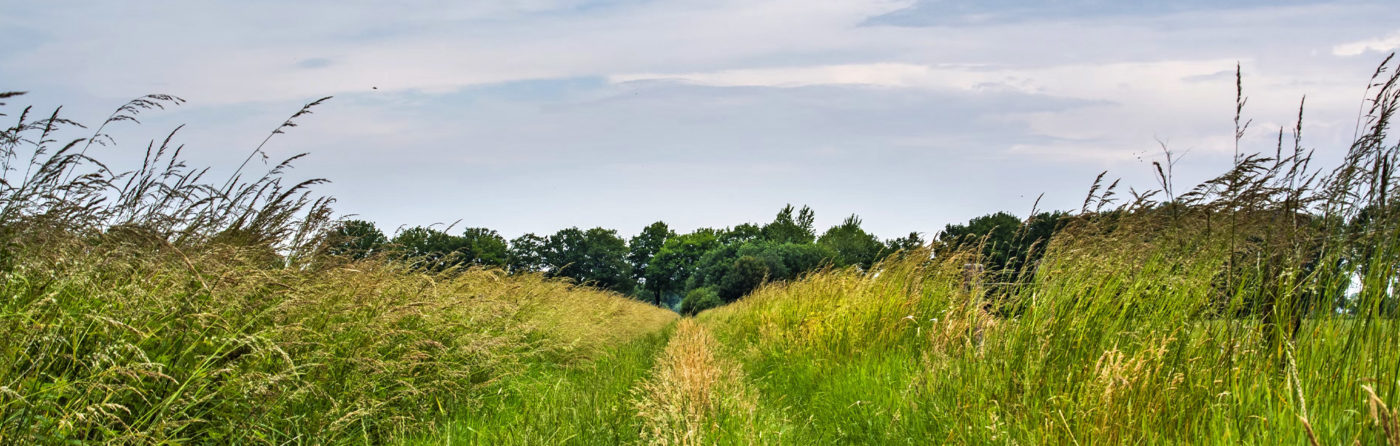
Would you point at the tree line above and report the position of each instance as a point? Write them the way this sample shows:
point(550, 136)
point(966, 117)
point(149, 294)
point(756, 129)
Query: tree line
point(689, 272)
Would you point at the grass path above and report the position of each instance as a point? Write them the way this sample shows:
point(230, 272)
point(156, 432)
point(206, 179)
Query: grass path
point(576, 404)
point(697, 396)
point(673, 387)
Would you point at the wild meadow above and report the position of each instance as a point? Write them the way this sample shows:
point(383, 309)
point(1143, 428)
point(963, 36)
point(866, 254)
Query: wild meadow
point(161, 305)
point(1258, 307)
point(155, 306)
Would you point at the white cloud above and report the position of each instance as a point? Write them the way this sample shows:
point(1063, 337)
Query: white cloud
point(222, 54)
point(934, 103)
point(1126, 105)
point(1380, 45)
point(1088, 81)
point(880, 74)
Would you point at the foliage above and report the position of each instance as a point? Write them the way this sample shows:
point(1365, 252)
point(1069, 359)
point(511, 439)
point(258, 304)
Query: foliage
point(659, 266)
point(438, 250)
point(908, 243)
point(744, 233)
point(356, 239)
point(142, 308)
point(994, 232)
point(1008, 246)
point(642, 248)
point(699, 299)
point(677, 260)
point(526, 254)
point(746, 274)
point(786, 228)
point(1251, 309)
point(734, 270)
point(485, 247)
point(853, 246)
point(597, 256)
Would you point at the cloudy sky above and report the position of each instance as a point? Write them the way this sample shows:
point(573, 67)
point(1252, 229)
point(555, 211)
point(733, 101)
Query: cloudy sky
point(530, 116)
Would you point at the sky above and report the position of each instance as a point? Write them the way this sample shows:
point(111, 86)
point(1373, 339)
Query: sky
point(536, 115)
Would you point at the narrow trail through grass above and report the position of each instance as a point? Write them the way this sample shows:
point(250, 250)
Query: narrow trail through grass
point(697, 396)
point(671, 387)
point(583, 403)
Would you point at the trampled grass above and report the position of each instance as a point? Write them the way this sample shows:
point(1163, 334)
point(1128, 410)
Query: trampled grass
point(584, 402)
point(696, 395)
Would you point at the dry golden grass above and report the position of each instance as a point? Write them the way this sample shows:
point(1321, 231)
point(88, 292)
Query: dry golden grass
point(692, 390)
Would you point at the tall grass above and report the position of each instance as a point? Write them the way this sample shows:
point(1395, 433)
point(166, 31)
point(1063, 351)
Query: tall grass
point(152, 306)
point(54, 184)
point(1225, 314)
point(556, 403)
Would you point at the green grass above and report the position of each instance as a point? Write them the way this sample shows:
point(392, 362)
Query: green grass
point(156, 306)
point(853, 358)
point(550, 403)
point(1216, 316)
point(100, 347)
point(171, 310)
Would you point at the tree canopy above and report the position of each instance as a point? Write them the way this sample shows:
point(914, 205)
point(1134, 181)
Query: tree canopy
point(697, 269)
point(356, 239)
point(1008, 244)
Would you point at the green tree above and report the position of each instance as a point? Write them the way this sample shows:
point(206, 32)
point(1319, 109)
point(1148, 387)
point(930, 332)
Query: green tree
point(799, 259)
point(744, 276)
point(786, 228)
point(642, 248)
point(853, 246)
point(712, 266)
point(484, 247)
point(670, 268)
point(356, 239)
point(699, 299)
point(902, 244)
point(430, 248)
point(735, 270)
point(994, 232)
point(1009, 246)
point(597, 256)
point(1036, 233)
point(744, 233)
point(527, 254)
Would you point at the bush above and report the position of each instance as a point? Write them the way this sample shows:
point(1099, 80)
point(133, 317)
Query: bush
point(700, 299)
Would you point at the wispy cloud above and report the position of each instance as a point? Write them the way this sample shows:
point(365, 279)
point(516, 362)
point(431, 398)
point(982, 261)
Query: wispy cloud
point(1098, 81)
point(715, 111)
point(989, 12)
point(1379, 45)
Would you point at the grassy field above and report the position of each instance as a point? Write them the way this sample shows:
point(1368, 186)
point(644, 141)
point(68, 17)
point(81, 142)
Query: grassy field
point(904, 359)
point(550, 403)
point(207, 347)
point(156, 307)
point(106, 347)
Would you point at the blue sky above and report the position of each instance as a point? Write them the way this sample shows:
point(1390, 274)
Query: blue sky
point(536, 115)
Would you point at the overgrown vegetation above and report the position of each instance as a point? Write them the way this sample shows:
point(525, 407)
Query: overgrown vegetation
point(1258, 307)
point(560, 403)
point(152, 306)
point(657, 265)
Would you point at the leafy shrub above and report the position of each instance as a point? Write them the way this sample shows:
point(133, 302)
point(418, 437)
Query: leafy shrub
point(700, 299)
